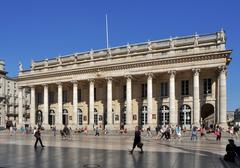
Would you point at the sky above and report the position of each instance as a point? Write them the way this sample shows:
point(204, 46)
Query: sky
point(48, 28)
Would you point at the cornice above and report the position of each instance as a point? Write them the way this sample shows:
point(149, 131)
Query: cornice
point(130, 65)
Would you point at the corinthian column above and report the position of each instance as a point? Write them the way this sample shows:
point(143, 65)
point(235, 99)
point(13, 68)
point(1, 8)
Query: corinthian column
point(60, 108)
point(196, 100)
point(75, 102)
point(20, 106)
point(109, 101)
point(172, 99)
point(33, 109)
point(91, 101)
point(129, 100)
point(149, 97)
point(45, 106)
point(223, 97)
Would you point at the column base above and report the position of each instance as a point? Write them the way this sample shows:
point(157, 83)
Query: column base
point(112, 127)
point(46, 126)
point(73, 126)
point(152, 126)
point(130, 127)
point(59, 126)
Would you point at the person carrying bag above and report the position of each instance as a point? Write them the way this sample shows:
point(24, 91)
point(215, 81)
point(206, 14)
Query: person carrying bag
point(137, 140)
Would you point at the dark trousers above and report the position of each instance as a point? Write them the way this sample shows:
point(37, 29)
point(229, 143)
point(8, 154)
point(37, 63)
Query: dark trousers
point(163, 135)
point(38, 139)
point(135, 143)
point(218, 137)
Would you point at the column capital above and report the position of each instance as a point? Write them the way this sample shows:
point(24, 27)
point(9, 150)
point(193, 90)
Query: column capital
point(109, 78)
point(91, 80)
point(32, 86)
point(128, 76)
point(222, 69)
point(196, 71)
point(45, 85)
point(172, 73)
point(149, 74)
point(59, 83)
point(74, 82)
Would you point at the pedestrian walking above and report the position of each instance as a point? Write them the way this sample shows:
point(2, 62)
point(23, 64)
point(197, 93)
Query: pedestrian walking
point(236, 129)
point(22, 130)
point(218, 133)
point(137, 140)
point(54, 130)
point(38, 138)
point(11, 130)
point(149, 134)
point(106, 131)
point(194, 133)
point(158, 131)
point(202, 131)
point(231, 131)
point(96, 131)
point(163, 131)
point(86, 131)
point(178, 132)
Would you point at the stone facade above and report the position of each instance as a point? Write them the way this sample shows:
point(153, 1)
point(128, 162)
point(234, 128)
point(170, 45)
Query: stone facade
point(8, 96)
point(173, 81)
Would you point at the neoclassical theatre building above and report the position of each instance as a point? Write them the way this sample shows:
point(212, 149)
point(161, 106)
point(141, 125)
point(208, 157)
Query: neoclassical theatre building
point(172, 81)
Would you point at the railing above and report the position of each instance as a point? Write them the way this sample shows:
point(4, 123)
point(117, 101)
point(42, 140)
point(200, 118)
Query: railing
point(150, 46)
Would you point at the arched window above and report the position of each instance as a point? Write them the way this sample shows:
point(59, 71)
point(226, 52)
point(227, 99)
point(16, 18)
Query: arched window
point(95, 116)
point(65, 117)
point(51, 120)
point(80, 117)
point(163, 115)
point(39, 117)
point(144, 115)
point(185, 115)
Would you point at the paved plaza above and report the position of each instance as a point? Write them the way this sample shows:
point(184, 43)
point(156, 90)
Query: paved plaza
point(109, 152)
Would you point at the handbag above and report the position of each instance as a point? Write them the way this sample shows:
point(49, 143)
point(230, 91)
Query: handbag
point(140, 145)
point(37, 135)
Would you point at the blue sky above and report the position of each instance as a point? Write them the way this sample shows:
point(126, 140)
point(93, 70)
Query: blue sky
point(48, 28)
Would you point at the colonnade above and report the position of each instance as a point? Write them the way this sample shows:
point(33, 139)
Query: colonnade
point(129, 114)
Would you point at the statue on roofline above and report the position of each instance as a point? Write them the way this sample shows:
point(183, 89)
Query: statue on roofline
point(20, 66)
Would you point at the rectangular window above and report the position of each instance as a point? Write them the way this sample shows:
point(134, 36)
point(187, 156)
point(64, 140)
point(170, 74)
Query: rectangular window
point(124, 92)
point(65, 98)
point(51, 97)
point(79, 95)
point(95, 94)
point(185, 87)
point(207, 86)
point(144, 90)
point(164, 89)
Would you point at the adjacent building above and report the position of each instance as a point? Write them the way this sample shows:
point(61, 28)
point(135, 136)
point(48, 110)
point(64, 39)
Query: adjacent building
point(171, 81)
point(8, 96)
point(237, 117)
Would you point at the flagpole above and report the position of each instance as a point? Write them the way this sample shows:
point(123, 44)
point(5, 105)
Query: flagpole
point(107, 31)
